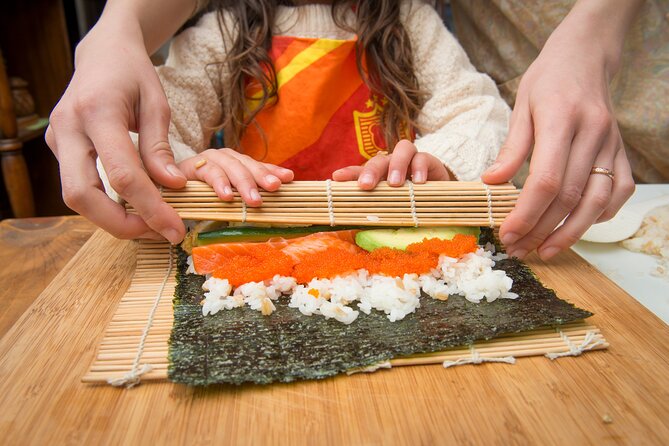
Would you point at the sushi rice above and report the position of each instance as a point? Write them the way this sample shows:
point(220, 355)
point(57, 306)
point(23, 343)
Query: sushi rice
point(344, 297)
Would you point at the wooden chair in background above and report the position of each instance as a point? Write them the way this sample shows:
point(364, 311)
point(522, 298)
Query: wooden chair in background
point(12, 137)
point(35, 48)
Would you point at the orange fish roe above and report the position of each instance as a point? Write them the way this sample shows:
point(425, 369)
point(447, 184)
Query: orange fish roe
point(262, 262)
point(256, 265)
point(314, 292)
point(329, 263)
point(396, 263)
point(457, 247)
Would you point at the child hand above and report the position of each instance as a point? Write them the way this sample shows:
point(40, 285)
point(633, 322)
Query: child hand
point(395, 167)
point(226, 168)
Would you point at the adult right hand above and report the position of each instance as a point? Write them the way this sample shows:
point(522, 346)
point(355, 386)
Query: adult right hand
point(564, 117)
point(114, 90)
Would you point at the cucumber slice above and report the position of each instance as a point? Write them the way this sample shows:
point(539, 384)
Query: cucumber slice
point(257, 234)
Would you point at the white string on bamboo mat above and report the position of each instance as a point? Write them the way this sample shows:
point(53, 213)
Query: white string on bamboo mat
point(476, 358)
point(328, 190)
point(132, 378)
point(576, 350)
point(243, 211)
point(412, 199)
point(491, 221)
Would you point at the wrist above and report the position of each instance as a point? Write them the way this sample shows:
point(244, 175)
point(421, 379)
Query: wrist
point(119, 32)
point(598, 29)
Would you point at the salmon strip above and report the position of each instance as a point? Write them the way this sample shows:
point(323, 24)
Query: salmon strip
point(314, 243)
point(208, 258)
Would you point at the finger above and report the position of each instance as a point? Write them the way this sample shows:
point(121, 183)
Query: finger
point(427, 167)
point(596, 198)
point(373, 172)
point(83, 191)
point(129, 180)
point(285, 175)
point(239, 175)
point(400, 160)
point(623, 185)
point(420, 166)
point(199, 167)
point(261, 174)
point(544, 182)
point(350, 173)
point(585, 147)
point(516, 148)
point(154, 148)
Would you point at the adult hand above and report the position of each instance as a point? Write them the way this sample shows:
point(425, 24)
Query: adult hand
point(405, 161)
point(563, 110)
point(115, 90)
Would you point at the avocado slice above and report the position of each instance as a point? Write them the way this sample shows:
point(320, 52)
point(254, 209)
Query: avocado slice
point(401, 238)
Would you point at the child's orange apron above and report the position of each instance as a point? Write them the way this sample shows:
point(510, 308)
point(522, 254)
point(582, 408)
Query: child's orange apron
point(325, 118)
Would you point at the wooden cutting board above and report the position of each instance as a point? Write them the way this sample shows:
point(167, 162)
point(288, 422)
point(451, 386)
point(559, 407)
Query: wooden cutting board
point(619, 395)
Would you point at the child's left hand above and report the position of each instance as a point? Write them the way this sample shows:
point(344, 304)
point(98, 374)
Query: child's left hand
point(396, 167)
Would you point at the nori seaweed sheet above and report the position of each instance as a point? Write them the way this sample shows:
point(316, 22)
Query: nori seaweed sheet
point(240, 345)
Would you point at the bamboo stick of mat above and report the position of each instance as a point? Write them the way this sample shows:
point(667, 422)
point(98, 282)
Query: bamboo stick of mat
point(436, 203)
point(119, 346)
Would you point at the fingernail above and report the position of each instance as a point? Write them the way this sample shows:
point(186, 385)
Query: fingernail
point(394, 177)
point(493, 168)
point(509, 238)
point(255, 195)
point(227, 190)
point(172, 235)
point(366, 179)
point(549, 252)
point(521, 253)
point(174, 171)
point(272, 179)
point(418, 177)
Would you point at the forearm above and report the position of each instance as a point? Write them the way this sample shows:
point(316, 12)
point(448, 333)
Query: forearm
point(146, 22)
point(603, 23)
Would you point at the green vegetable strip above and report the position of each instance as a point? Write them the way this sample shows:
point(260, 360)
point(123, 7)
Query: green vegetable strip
point(256, 234)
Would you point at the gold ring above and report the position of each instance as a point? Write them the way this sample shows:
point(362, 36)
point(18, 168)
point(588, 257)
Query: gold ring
point(603, 171)
point(201, 162)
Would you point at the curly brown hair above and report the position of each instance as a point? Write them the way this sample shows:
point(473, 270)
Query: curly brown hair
point(382, 41)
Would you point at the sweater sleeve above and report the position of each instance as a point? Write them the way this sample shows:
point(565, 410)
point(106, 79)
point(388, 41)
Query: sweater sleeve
point(464, 121)
point(192, 77)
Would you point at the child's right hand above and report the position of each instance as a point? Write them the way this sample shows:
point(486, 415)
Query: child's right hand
point(223, 169)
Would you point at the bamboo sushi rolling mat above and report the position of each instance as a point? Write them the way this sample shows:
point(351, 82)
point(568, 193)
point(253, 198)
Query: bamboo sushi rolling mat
point(437, 203)
point(146, 307)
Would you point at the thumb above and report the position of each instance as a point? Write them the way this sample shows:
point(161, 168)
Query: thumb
point(516, 148)
point(154, 148)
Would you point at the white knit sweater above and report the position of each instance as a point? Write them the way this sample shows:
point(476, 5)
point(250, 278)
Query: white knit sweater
point(464, 120)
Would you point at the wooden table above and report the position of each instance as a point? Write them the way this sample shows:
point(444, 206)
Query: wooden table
point(615, 396)
point(32, 252)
